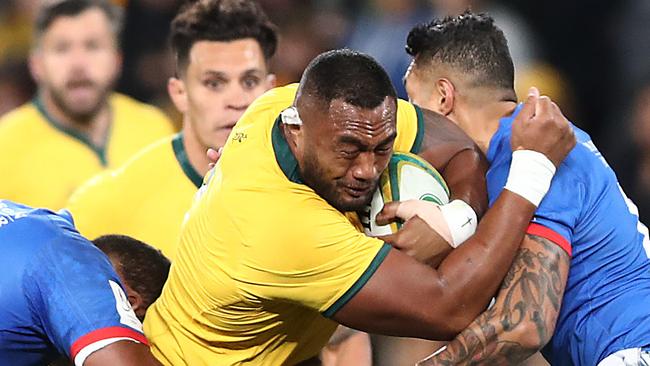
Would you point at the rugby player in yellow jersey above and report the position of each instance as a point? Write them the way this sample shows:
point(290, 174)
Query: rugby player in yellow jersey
point(76, 126)
point(222, 51)
point(268, 263)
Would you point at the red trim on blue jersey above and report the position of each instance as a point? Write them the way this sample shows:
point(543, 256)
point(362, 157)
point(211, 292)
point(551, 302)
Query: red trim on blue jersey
point(546, 233)
point(105, 333)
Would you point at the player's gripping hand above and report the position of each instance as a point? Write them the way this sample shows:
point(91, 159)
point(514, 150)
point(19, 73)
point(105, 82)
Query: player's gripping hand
point(213, 156)
point(416, 237)
point(540, 126)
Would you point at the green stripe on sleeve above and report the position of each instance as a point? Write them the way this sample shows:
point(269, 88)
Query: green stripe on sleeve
point(372, 268)
point(419, 135)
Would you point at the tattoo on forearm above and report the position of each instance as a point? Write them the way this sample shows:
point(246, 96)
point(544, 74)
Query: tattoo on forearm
point(530, 292)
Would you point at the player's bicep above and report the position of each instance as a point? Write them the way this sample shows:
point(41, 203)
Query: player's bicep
point(398, 300)
point(123, 353)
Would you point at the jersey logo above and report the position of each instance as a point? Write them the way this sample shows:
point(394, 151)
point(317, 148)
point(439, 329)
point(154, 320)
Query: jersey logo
point(240, 136)
point(123, 307)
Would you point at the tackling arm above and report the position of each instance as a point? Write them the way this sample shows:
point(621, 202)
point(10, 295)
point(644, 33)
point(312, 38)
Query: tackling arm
point(457, 158)
point(523, 318)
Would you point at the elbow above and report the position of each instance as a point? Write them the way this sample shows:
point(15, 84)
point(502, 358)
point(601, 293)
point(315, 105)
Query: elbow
point(450, 322)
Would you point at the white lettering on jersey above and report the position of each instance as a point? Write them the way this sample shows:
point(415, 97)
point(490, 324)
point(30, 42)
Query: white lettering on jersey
point(9, 215)
point(123, 307)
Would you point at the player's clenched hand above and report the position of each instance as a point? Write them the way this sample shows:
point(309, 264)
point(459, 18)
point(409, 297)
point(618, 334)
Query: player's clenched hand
point(540, 126)
point(213, 156)
point(416, 237)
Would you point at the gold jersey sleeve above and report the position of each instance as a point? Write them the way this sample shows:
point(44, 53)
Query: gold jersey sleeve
point(263, 261)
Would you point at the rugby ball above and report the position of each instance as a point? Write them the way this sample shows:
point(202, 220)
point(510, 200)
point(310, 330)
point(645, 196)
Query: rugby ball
point(407, 177)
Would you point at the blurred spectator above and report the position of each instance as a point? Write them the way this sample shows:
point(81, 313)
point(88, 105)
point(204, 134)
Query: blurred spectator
point(16, 85)
point(76, 126)
point(148, 61)
point(632, 161)
point(380, 31)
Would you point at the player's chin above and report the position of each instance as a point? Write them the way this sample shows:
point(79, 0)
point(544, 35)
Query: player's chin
point(350, 203)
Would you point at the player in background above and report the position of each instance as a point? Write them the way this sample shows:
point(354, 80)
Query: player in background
point(75, 127)
point(579, 287)
point(271, 244)
point(222, 50)
point(59, 295)
point(142, 269)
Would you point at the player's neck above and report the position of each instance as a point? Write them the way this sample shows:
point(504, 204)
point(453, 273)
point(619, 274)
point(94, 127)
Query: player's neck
point(95, 129)
point(489, 115)
point(196, 151)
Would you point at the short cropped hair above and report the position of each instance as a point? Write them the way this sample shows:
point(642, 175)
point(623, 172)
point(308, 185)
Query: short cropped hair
point(69, 8)
point(353, 76)
point(469, 42)
point(221, 21)
point(143, 267)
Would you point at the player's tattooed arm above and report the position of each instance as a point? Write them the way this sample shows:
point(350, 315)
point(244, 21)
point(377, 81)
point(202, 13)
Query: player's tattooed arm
point(523, 318)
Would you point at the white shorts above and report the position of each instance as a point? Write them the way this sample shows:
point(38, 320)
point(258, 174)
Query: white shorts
point(628, 357)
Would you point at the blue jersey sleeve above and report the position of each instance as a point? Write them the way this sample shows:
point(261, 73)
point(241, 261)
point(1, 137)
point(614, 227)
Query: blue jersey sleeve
point(77, 296)
point(558, 212)
point(560, 209)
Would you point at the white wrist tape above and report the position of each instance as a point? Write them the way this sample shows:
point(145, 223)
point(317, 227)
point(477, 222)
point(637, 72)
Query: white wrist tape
point(454, 222)
point(530, 175)
point(461, 220)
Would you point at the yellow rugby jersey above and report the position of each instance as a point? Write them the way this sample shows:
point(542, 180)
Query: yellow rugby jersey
point(263, 261)
point(43, 162)
point(146, 198)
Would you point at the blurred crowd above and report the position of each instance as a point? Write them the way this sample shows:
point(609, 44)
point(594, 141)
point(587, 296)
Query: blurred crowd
point(592, 57)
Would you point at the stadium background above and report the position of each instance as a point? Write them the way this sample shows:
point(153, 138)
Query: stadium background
point(591, 56)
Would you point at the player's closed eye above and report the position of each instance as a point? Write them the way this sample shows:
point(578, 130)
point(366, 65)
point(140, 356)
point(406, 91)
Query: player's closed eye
point(349, 154)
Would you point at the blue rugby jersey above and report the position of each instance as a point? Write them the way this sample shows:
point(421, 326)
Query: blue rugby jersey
point(59, 294)
point(606, 304)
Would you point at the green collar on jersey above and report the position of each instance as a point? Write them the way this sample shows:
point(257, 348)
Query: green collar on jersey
point(184, 161)
point(99, 151)
point(283, 155)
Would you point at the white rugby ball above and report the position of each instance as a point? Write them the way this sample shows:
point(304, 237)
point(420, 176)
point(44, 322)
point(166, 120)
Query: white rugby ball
point(407, 177)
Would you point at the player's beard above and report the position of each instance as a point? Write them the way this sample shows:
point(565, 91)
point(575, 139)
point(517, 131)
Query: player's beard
point(82, 113)
point(313, 174)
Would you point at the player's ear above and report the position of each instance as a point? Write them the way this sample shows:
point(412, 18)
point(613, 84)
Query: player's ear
point(270, 81)
point(446, 96)
point(36, 65)
point(177, 93)
point(137, 303)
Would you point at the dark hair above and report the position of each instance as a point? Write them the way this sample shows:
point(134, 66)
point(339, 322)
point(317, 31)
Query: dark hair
point(143, 267)
point(470, 42)
point(221, 20)
point(355, 77)
point(69, 8)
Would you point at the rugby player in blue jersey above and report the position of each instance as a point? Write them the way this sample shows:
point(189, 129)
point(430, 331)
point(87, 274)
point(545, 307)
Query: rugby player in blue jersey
point(59, 295)
point(579, 288)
